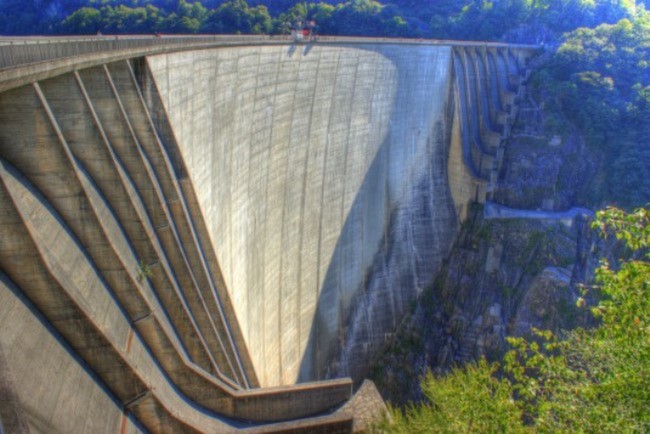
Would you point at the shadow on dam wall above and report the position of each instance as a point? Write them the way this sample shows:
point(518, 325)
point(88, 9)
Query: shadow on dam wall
point(407, 230)
point(415, 237)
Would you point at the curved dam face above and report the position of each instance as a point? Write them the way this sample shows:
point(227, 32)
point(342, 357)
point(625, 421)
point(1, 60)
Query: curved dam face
point(184, 221)
point(321, 173)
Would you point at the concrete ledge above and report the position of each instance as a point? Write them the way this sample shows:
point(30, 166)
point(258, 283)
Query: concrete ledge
point(292, 401)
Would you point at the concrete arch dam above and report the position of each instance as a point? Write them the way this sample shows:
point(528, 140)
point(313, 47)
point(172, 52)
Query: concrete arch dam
point(184, 222)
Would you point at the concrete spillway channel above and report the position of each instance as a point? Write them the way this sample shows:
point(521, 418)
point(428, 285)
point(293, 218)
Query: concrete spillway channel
point(182, 225)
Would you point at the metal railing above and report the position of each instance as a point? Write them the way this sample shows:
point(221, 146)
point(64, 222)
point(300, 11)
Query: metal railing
point(23, 51)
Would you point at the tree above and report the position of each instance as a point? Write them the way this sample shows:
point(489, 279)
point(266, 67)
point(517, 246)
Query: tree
point(598, 79)
point(472, 399)
point(84, 20)
point(187, 18)
point(235, 16)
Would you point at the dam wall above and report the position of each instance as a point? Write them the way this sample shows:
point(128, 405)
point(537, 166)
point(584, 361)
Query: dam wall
point(322, 172)
point(183, 224)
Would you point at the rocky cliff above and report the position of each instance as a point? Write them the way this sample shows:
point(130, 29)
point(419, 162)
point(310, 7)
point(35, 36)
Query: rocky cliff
point(505, 275)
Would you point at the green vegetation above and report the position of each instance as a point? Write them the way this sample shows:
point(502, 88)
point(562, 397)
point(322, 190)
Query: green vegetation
point(522, 20)
point(525, 20)
point(595, 380)
point(472, 399)
point(599, 79)
point(144, 272)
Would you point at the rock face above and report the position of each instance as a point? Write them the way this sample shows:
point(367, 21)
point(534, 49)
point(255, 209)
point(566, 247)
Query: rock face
point(501, 278)
point(548, 299)
point(505, 275)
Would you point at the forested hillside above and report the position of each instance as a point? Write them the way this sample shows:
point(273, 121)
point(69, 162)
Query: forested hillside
point(523, 20)
point(598, 81)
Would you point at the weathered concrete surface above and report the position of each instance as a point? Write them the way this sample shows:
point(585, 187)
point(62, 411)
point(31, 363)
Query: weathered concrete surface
point(367, 406)
point(41, 365)
point(495, 211)
point(327, 185)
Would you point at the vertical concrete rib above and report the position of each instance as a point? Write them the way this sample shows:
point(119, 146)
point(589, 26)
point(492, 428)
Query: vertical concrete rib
point(474, 102)
point(136, 222)
point(488, 123)
point(187, 240)
point(489, 137)
point(158, 337)
point(109, 246)
point(493, 74)
point(504, 76)
point(470, 105)
point(469, 153)
point(122, 141)
point(162, 168)
point(183, 190)
point(513, 64)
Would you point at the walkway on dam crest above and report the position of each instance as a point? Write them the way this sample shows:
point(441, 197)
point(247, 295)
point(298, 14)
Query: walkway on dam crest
point(500, 212)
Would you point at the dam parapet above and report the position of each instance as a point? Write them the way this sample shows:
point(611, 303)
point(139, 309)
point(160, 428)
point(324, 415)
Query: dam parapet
point(185, 221)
